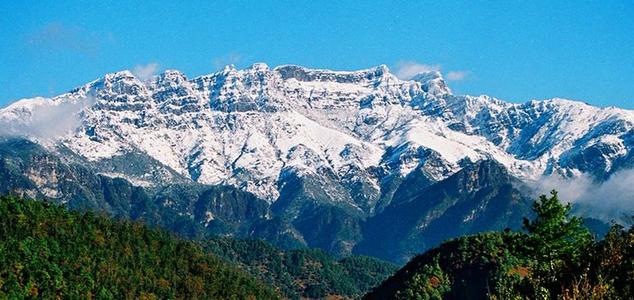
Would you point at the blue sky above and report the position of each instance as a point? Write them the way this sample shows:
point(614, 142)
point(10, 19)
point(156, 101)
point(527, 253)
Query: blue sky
point(513, 50)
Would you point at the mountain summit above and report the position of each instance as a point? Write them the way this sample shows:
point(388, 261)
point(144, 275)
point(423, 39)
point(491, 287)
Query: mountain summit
point(247, 127)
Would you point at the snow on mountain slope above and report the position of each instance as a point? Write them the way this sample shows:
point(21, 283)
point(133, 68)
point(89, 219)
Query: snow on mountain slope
point(243, 127)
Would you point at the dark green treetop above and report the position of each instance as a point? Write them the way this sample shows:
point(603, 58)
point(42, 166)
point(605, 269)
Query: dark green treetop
point(554, 235)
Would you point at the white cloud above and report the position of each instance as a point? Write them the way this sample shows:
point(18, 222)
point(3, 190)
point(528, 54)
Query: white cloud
point(456, 75)
point(43, 118)
point(145, 72)
point(610, 200)
point(407, 69)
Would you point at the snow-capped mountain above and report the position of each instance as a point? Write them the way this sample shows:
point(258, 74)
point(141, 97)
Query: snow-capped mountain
point(321, 147)
point(248, 127)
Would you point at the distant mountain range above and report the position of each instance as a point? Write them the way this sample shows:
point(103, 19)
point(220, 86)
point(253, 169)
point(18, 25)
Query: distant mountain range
point(350, 162)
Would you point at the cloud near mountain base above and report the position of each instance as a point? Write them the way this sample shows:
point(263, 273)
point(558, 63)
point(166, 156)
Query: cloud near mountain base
point(43, 119)
point(611, 200)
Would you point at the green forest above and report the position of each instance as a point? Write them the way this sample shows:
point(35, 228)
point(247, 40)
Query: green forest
point(49, 252)
point(303, 273)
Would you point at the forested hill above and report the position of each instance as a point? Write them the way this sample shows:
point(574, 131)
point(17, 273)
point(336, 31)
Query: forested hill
point(303, 273)
point(48, 252)
point(556, 258)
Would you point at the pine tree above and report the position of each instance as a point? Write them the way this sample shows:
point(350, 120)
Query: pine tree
point(557, 241)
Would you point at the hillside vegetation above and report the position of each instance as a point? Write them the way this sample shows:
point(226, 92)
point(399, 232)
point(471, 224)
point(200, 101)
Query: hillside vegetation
point(303, 273)
point(556, 258)
point(48, 252)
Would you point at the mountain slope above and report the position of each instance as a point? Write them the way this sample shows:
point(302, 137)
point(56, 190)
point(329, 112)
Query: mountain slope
point(192, 210)
point(303, 273)
point(480, 197)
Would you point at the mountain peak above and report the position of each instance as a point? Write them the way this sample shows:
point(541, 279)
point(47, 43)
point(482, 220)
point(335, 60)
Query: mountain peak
point(432, 82)
point(329, 111)
point(228, 68)
point(172, 72)
point(124, 74)
point(427, 76)
point(300, 73)
point(259, 67)
point(171, 77)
